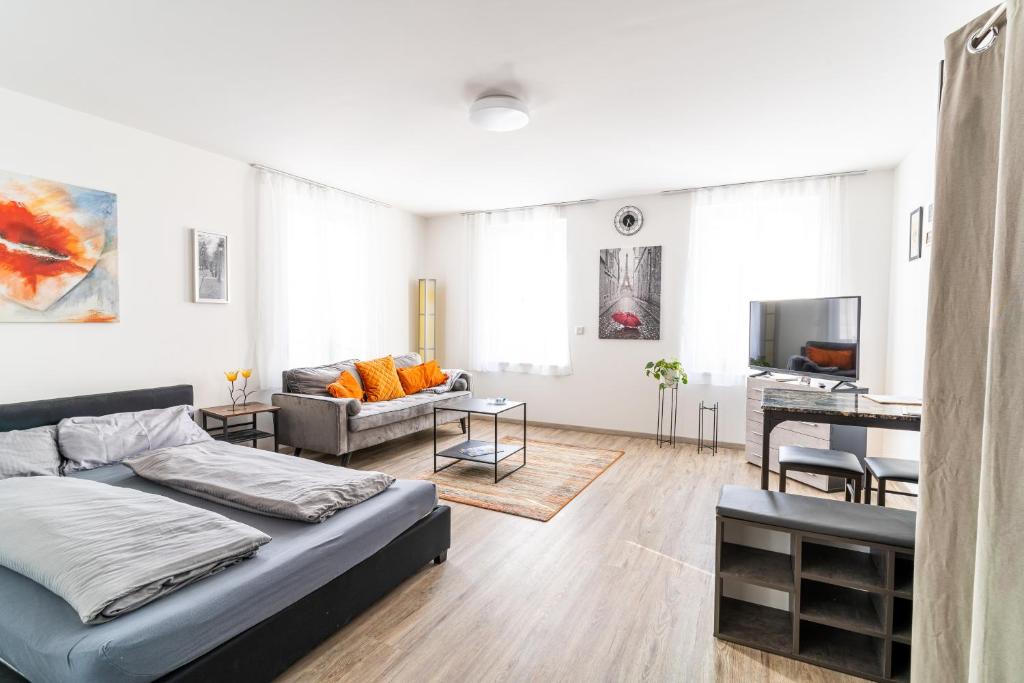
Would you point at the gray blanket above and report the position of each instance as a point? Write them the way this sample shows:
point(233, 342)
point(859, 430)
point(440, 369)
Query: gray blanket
point(107, 550)
point(448, 385)
point(259, 481)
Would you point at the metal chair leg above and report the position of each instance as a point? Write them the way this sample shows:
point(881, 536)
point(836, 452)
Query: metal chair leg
point(867, 487)
point(782, 479)
point(857, 489)
point(881, 491)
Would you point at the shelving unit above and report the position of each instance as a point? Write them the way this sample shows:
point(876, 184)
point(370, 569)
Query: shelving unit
point(850, 606)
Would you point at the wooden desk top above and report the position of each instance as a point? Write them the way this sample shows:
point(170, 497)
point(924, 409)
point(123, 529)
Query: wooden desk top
point(844, 404)
point(247, 409)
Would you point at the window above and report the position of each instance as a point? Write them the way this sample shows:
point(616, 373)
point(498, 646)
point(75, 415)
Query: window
point(518, 310)
point(777, 240)
point(315, 279)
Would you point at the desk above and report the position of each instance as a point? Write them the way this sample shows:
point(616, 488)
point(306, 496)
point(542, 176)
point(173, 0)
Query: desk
point(838, 408)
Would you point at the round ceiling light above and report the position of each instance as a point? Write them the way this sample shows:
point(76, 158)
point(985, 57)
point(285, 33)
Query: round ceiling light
point(499, 113)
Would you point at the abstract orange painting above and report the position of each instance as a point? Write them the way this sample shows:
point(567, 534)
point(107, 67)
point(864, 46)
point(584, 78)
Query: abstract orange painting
point(58, 252)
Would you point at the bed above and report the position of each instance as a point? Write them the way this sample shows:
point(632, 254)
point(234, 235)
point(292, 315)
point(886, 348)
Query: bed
point(249, 622)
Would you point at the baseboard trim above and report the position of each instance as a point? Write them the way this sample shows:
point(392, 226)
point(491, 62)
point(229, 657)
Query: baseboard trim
point(615, 432)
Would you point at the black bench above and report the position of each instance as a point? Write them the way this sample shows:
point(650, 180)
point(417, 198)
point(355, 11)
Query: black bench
point(844, 570)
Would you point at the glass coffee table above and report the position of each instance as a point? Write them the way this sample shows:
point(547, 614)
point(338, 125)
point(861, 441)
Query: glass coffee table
point(486, 452)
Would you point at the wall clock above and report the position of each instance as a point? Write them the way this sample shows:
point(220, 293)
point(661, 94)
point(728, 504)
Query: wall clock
point(629, 220)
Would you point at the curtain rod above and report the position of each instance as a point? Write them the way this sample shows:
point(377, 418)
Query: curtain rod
point(530, 206)
point(770, 180)
point(668, 192)
point(319, 184)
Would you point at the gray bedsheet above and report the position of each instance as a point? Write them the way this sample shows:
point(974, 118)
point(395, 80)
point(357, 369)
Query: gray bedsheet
point(43, 638)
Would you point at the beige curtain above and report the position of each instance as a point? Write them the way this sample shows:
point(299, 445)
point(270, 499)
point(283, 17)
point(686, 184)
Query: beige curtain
point(969, 580)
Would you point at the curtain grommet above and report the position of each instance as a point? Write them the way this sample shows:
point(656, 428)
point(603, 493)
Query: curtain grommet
point(981, 40)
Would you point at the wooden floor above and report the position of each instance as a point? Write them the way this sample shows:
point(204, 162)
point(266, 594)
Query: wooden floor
point(618, 586)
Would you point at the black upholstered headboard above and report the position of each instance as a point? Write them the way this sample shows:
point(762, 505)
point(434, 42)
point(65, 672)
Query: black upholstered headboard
point(51, 411)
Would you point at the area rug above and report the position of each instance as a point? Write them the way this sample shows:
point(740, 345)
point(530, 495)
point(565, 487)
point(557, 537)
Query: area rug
point(555, 473)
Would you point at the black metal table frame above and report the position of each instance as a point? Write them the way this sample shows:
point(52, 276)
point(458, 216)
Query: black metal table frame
point(469, 437)
point(773, 417)
point(253, 433)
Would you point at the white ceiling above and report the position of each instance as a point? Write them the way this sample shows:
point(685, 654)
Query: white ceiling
point(627, 97)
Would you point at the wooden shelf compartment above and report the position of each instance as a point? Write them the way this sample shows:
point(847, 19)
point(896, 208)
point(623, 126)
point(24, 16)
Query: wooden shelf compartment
point(842, 650)
point(757, 566)
point(846, 608)
point(904, 576)
point(901, 620)
point(900, 662)
point(746, 623)
point(843, 566)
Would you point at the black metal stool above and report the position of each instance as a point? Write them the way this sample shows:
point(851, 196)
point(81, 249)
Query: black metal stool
point(822, 461)
point(890, 469)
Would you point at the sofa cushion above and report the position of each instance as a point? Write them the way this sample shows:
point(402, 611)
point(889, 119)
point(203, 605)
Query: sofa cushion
point(314, 380)
point(380, 379)
point(346, 386)
point(388, 412)
point(407, 360)
point(420, 377)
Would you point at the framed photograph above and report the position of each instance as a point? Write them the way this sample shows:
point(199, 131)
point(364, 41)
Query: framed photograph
point(630, 293)
point(209, 267)
point(916, 232)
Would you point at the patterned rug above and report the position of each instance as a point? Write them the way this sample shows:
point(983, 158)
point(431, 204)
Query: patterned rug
point(555, 473)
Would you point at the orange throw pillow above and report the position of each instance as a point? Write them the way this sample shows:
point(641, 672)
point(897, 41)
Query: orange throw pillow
point(413, 379)
point(380, 379)
point(831, 358)
point(433, 374)
point(420, 377)
point(346, 386)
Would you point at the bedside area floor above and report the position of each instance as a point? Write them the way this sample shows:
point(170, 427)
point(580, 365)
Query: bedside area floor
point(617, 586)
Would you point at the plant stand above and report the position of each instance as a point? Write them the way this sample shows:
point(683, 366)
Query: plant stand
point(673, 401)
point(700, 428)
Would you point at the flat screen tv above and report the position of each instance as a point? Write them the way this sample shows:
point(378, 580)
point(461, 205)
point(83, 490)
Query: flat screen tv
point(816, 337)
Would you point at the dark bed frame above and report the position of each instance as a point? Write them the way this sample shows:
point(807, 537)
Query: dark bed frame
point(271, 646)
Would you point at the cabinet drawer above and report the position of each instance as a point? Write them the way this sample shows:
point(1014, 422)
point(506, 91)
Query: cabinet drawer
point(785, 437)
point(754, 425)
point(754, 408)
point(819, 430)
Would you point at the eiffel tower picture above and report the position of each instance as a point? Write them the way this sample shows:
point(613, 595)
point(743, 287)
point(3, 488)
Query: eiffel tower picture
point(630, 293)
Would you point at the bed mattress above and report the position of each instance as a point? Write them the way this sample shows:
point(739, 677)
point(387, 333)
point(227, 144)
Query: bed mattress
point(43, 638)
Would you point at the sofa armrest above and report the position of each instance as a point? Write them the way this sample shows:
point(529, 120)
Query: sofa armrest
point(469, 380)
point(319, 423)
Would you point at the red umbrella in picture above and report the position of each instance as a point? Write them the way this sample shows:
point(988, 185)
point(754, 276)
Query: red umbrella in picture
point(626, 319)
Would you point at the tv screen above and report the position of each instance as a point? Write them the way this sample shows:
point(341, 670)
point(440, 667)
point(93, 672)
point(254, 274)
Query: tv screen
point(817, 337)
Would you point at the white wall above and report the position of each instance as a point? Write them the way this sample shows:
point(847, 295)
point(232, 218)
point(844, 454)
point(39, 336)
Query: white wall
point(163, 189)
point(908, 292)
point(607, 389)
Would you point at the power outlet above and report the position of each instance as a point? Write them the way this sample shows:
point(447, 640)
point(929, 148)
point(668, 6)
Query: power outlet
point(579, 329)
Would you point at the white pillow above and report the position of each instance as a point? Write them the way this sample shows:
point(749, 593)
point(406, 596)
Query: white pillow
point(90, 442)
point(29, 452)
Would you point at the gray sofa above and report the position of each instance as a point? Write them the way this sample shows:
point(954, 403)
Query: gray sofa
point(311, 418)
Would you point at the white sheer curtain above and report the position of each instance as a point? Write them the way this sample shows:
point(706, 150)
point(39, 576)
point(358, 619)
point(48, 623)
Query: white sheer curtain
point(773, 240)
point(518, 291)
point(316, 300)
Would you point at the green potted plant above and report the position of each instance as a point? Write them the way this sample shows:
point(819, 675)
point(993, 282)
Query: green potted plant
point(669, 373)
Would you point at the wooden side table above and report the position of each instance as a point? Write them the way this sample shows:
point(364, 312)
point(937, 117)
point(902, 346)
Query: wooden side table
point(240, 432)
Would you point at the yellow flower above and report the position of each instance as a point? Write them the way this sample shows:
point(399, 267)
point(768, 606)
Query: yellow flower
point(232, 376)
point(247, 373)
